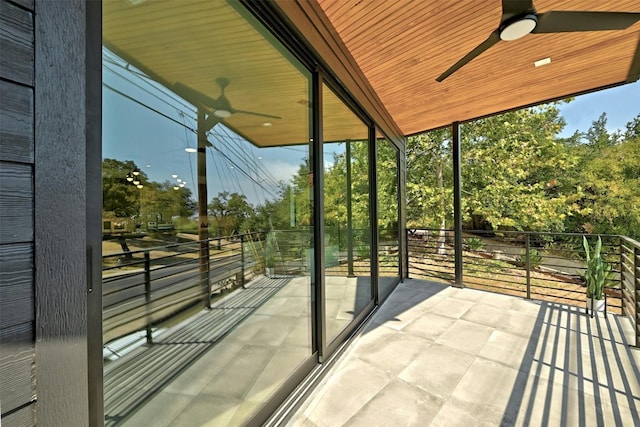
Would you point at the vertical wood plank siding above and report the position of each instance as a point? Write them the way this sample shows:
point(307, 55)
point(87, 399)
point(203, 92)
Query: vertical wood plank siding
point(17, 307)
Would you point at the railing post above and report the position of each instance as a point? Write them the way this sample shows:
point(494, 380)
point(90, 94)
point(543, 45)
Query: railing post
point(621, 251)
point(208, 272)
point(636, 285)
point(242, 271)
point(406, 253)
point(528, 263)
point(147, 295)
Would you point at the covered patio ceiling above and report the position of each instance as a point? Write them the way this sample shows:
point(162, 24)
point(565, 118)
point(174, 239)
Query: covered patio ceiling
point(401, 47)
point(386, 53)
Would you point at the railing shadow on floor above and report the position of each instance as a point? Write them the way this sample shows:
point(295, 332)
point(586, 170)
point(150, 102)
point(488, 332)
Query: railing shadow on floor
point(135, 378)
point(568, 347)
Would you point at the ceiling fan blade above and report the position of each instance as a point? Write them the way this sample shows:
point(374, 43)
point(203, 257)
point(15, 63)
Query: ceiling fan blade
point(570, 21)
point(192, 95)
point(493, 38)
point(253, 113)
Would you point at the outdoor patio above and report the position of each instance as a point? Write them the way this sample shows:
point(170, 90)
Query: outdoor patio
point(442, 356)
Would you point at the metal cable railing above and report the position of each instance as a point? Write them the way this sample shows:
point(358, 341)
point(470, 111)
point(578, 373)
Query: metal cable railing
point(144, 287)
point(535, 265)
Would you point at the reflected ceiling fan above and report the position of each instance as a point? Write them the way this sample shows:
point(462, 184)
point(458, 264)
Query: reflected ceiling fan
point(520, 18)
point(221, 106)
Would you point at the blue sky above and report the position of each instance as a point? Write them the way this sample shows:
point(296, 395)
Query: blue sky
point(621, 104)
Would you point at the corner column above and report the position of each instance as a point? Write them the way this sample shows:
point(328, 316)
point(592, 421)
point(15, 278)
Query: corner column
point(457, 203)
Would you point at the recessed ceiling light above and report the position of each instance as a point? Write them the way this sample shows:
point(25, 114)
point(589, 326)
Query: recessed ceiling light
point(542, 62)
point(190, 150)
point(267, 124)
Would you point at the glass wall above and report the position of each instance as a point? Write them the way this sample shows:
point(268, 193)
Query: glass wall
point(207, 218)
point(388, 229)
point(346, 214)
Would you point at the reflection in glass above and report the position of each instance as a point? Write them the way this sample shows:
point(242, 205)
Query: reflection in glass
point(388, 231)
point(346, 214)
point(206, 133)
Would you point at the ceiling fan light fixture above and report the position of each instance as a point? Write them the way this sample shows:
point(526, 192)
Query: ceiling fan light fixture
point(518, 28)
point(223, 114)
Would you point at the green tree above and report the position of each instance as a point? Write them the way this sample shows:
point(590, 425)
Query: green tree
point(230, 210)
point(387, 176)
point(120, 197)
point(610, 176)
point(514, 170)
point(429, 180)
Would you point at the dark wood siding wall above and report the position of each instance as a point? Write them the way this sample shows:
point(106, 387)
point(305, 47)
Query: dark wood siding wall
point(49, 155)
point(17, 312)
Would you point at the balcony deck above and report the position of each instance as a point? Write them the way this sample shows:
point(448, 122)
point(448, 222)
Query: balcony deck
point(441, 356)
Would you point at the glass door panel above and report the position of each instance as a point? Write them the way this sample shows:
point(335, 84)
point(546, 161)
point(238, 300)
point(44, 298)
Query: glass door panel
point(207, 217)
point(346, 214)
point(388, 229)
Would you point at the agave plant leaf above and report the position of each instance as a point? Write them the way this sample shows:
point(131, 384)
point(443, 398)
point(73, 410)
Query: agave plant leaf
point(598, 272)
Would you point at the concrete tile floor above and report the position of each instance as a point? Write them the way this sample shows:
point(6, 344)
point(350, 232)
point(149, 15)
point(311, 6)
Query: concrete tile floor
point(238, 374)
point(440, 356)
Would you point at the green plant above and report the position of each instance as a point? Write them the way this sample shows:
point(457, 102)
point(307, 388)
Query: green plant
point(598, 272)
point(535, 259)
point(475, 243)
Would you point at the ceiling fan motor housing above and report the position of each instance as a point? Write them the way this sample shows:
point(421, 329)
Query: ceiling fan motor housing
point(518, 27)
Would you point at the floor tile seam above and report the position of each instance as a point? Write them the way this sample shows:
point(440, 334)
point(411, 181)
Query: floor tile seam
point(327, 383)
point(452, 402)
point(408, 384)
point(467, 352)
point(461, 405)
point(457, 383)
point(248, 389)
point(433, 338)
point(172, 419)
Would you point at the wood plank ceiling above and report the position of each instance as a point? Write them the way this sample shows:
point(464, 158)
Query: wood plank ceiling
point(194, 43)
point(402, 46)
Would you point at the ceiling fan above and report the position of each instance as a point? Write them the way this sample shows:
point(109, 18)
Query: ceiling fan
point(221, 106)
point(520, 18)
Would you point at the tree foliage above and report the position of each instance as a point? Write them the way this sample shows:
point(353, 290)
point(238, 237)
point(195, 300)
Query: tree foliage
point(517, 173)
point(120, 197)
point(157, 202)
point(229, 211)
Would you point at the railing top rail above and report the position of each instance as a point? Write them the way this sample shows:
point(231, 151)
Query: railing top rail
point(630, 241)
point(550, 233)
point(178, 244)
